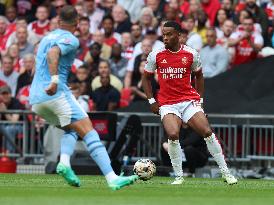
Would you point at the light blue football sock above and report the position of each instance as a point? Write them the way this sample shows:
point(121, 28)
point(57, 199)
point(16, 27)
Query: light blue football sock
point(98, 152)
point(68, 142)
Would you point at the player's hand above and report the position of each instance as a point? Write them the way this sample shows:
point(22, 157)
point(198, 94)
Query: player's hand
point(51, 89)
point(155, 108)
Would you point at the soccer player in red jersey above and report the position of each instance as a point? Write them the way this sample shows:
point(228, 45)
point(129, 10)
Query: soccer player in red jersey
point(177, 101)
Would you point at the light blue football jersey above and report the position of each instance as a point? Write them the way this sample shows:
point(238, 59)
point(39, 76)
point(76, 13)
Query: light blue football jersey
point(68, 45)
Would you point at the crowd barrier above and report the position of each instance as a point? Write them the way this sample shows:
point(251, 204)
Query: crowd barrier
point(243, 137)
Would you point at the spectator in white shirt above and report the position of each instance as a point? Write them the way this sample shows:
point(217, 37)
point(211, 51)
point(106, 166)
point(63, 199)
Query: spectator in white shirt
point(95, 15)
point(227, 29)
point(32, 37)
point(194, 39)
point(133, 7)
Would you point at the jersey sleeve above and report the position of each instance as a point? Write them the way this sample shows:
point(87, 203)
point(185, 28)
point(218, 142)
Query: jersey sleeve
point(150, 66)
point(258, 39)
point(196, 65)
point(67, 44)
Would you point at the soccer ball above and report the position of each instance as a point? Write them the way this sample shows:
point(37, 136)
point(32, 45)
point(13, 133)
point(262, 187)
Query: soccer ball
point(145, 169)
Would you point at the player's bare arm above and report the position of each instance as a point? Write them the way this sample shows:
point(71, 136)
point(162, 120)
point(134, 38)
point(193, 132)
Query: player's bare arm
point(146, 83)
point(199, 84)
point(53, 60)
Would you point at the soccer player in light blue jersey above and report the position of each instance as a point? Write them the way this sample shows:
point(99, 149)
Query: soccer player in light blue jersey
point(51, 98)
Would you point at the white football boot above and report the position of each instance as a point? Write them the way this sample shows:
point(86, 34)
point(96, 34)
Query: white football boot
point(229, 178)
point(178, 181)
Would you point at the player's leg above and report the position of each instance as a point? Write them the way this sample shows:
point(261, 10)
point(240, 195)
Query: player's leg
point(172, 125)
point(47, 110)
point(99, 153)
point(68, 143)
point(199, 123)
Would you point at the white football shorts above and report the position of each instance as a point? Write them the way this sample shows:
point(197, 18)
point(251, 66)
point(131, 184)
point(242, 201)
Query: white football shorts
point(184, 110)
point(60, 111)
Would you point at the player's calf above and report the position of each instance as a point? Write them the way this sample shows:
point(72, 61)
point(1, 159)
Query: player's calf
point(216, 151)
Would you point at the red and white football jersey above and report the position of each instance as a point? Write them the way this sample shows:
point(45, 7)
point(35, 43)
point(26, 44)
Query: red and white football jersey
point(4, 38)
point(174, 74)
point(39, 29)
point(244, 51)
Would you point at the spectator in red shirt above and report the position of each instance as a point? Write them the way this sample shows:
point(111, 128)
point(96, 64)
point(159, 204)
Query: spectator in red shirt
point(247, 43)
point(127, 46)
point(259, 15)
point(184, 7)
point(41, 26)
point(13, 52)
point(111, 37)
point(4, 33)
point(247, 14)
point(211, 7)
point(85, 37)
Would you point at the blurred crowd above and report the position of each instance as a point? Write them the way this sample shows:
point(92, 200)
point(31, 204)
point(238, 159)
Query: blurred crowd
point(115, 38)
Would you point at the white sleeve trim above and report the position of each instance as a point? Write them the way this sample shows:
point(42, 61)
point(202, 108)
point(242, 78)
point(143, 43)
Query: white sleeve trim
point(151, 66)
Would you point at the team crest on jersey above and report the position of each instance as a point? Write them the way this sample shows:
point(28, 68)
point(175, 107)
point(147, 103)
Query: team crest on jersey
point(164, 61)
point(67, 40)
point(184, 60)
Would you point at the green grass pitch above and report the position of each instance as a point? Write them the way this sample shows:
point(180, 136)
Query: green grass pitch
point(51, 189)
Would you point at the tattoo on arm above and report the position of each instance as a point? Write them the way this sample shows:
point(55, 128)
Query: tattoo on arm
point(53, 60)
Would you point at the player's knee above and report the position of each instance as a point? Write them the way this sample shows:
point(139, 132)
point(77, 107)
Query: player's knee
point(173, 136)
point(207, 132)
